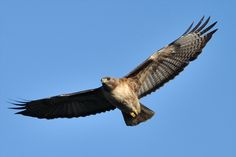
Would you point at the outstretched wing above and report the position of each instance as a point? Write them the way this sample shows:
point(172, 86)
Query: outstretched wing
point(78, 104)
point(169, 61)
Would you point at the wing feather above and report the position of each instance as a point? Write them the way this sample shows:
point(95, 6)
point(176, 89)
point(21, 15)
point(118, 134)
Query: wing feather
point(78, 104)
point(169, 61)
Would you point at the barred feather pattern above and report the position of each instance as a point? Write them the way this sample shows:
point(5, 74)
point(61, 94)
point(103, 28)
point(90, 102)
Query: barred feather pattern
point(169, 61)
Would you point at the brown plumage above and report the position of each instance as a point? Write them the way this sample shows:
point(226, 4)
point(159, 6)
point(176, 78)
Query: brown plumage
point(124, 93)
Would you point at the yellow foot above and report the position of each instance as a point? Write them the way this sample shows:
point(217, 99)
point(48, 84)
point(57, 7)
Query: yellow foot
point(133, 114)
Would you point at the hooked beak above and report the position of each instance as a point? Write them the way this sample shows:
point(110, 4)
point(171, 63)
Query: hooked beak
point(103, 80)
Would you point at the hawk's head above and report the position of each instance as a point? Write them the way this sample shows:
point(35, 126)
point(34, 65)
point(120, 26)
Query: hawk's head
point(109, 83)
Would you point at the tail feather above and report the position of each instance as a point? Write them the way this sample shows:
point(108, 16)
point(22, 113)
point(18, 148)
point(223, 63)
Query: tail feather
point(144, 115)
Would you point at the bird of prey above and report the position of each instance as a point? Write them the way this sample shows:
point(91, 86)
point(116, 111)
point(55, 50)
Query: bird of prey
point(124, 93)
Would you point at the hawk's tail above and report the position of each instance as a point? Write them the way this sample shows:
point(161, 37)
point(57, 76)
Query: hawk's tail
point(144, 115)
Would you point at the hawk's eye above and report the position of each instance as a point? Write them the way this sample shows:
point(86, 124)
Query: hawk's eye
point(108, 78)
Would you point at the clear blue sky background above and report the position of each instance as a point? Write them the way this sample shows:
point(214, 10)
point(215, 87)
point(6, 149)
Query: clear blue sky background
point(54, 47)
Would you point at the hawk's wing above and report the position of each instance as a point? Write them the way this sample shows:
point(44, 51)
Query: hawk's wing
point(78, 104)
point(169, 61)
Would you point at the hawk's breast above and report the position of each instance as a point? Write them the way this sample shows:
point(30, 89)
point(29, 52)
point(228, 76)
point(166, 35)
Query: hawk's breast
point(122, 97)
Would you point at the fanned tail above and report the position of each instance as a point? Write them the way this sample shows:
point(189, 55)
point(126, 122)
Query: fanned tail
point(144, 115)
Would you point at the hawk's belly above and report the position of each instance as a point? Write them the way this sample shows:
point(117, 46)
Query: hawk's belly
point(123, 98)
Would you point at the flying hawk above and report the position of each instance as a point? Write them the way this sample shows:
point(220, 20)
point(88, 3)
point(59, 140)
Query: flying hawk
point(124, 93)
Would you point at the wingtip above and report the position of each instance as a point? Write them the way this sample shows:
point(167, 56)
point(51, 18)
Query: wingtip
point(202, 18)
point(16, 108)
point(19, 105)
point(18, 102)
point(208, 19)
point(21, 112)
point(212, 32)
point(198, 24)
point(203, 25)
point(208, 28)
point(215, 23)
point(191, 25)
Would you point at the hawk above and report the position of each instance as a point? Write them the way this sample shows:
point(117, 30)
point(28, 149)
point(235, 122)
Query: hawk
point(124, 93)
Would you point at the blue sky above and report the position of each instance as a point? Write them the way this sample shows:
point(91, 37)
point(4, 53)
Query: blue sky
point(55, 47)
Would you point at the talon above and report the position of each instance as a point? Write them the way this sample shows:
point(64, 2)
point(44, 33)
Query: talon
point(136, 112)
point(133, 114)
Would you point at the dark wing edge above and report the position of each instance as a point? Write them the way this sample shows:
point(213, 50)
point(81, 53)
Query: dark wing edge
point(79, 104)
point(169, 61)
